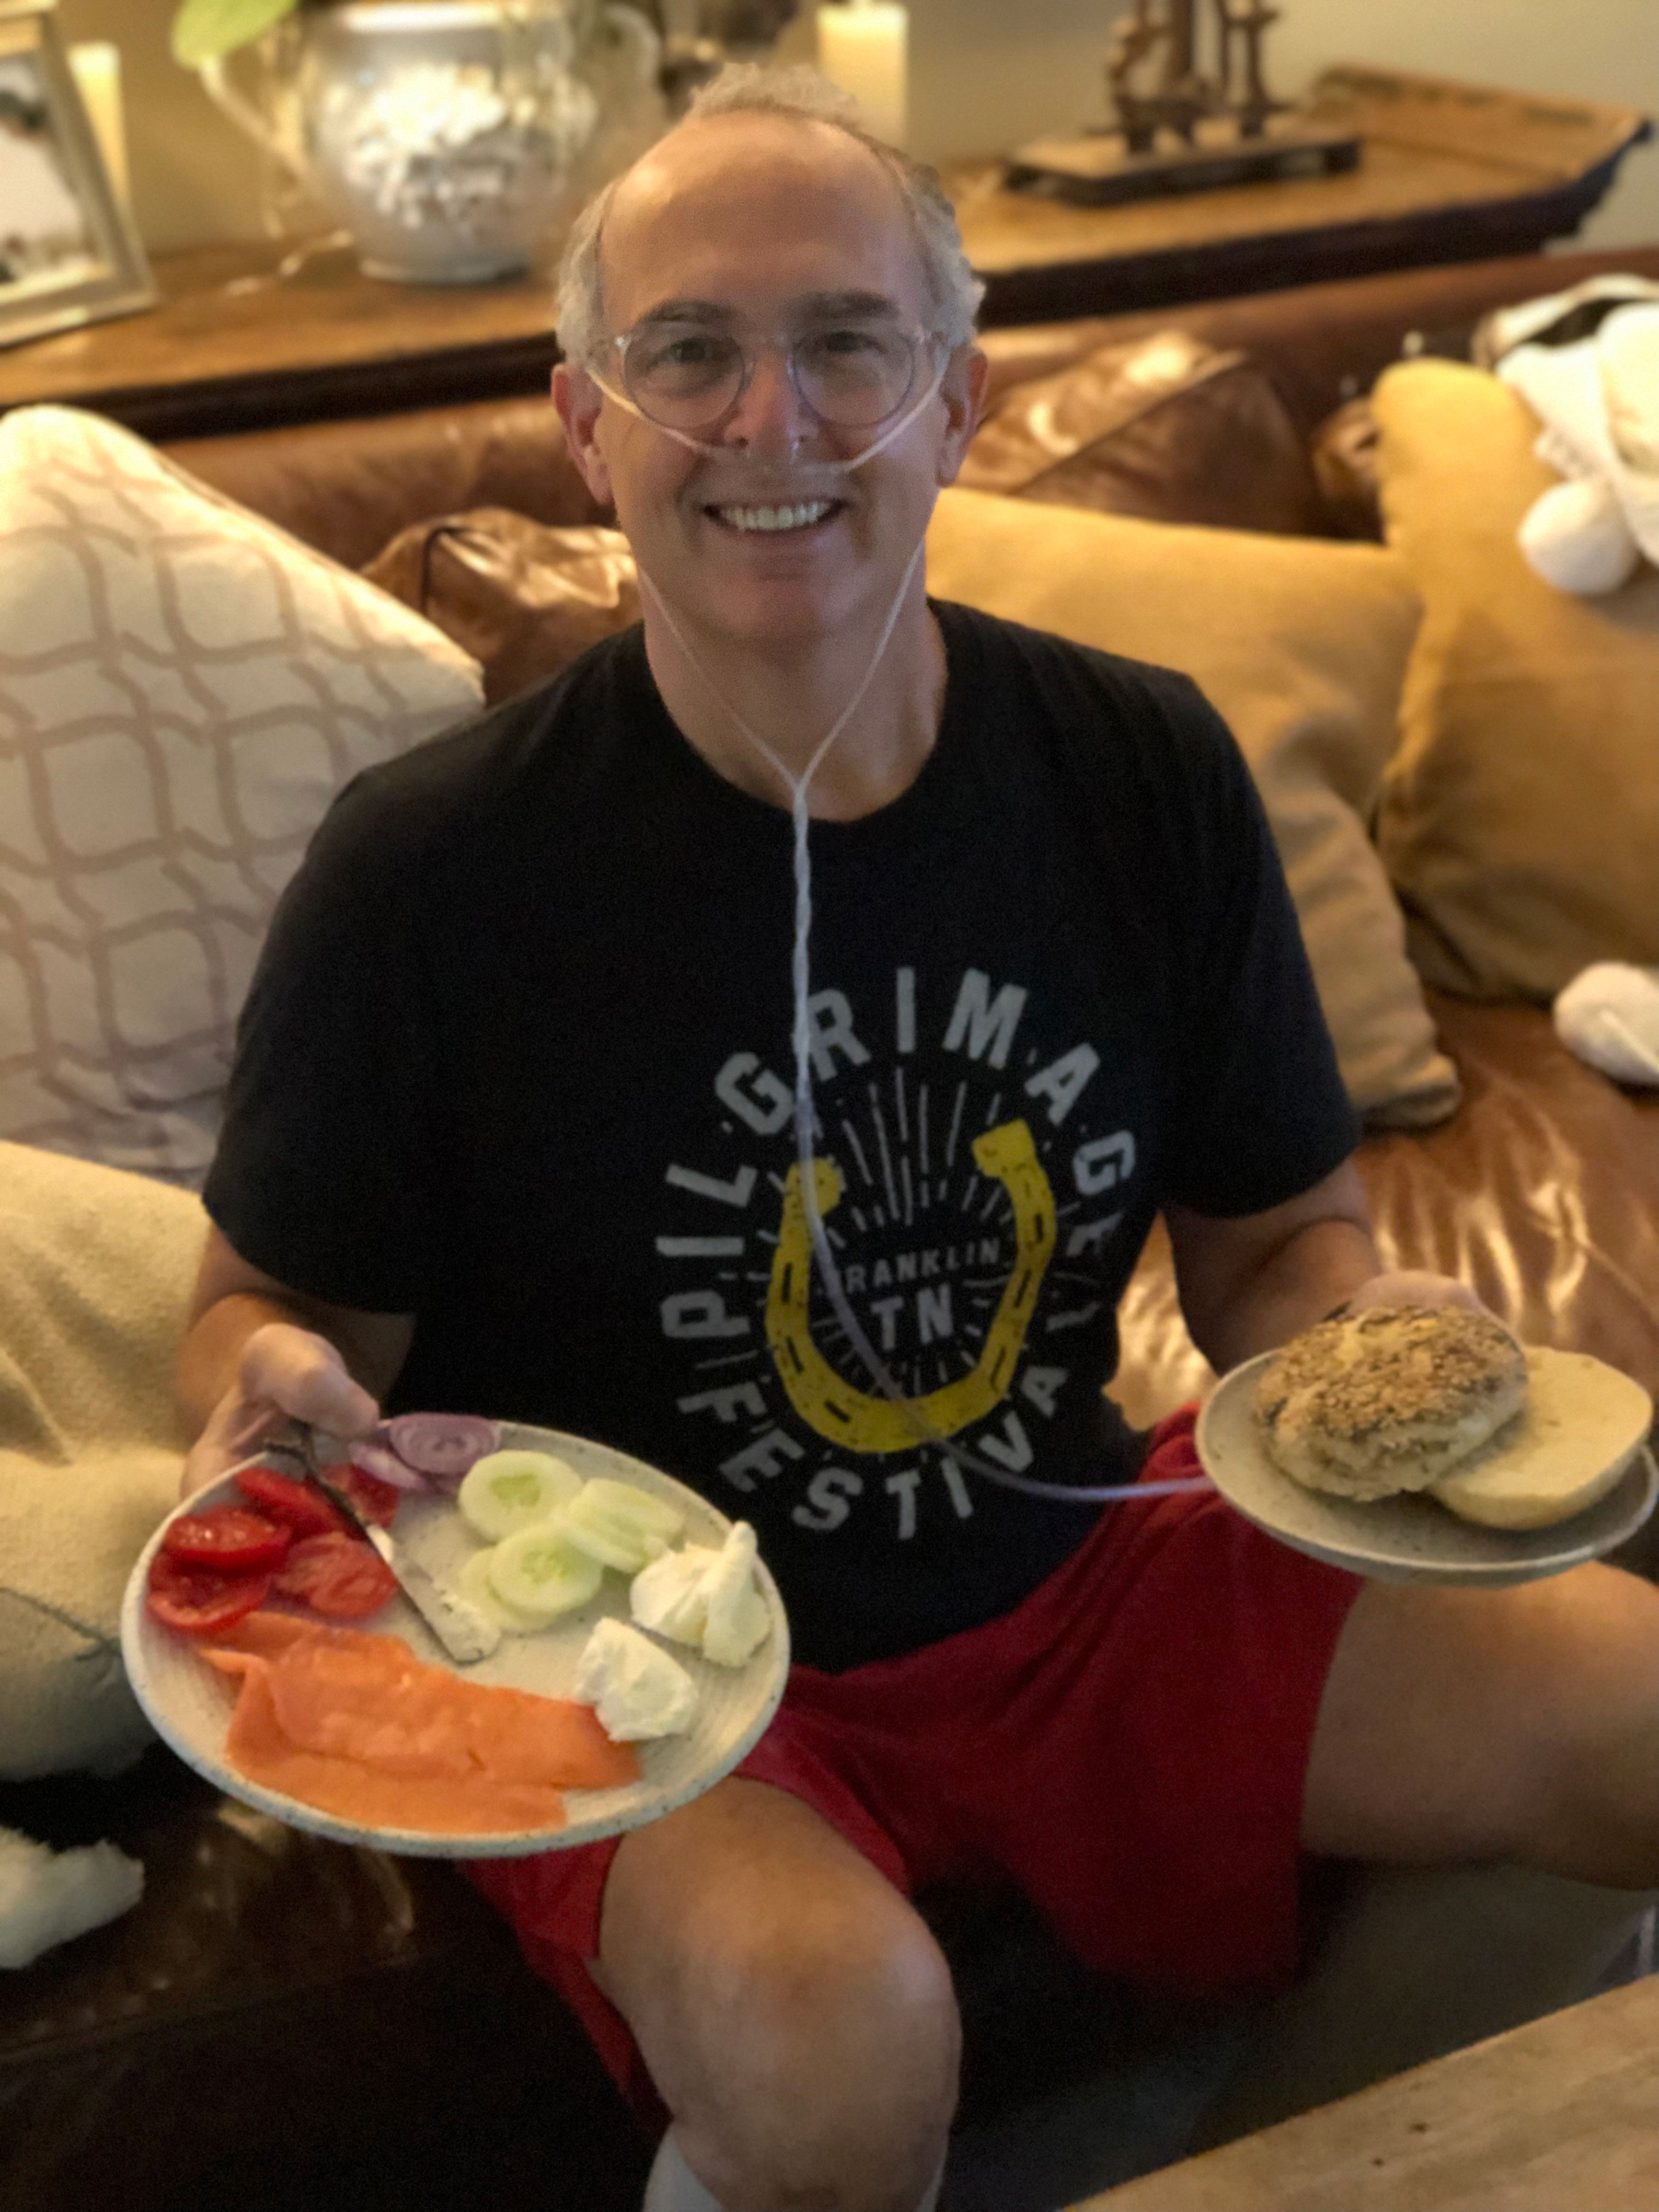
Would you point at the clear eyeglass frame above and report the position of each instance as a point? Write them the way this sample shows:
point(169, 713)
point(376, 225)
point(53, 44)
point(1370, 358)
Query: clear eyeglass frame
point(920, 346)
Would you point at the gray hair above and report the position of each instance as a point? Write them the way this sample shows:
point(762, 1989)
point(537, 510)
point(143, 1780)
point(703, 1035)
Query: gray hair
point(804, 96)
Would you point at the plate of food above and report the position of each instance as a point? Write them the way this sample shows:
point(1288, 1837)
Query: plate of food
point(1425, 1444)
point(635, 1646)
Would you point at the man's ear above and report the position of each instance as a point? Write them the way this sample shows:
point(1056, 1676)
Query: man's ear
point(962, 390)
point(578, 401)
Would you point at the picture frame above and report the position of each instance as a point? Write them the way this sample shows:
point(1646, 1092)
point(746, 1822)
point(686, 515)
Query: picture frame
point(68, 252)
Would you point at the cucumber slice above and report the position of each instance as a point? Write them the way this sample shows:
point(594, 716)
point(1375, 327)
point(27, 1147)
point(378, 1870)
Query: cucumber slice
point(538, 1572)
point(506, 1491)
point(616, 1539)
point(605, 1546)
point(477, 1587)
point(655, 1516)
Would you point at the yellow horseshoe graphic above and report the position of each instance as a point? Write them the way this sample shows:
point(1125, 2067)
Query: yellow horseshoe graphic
point(862, 1421)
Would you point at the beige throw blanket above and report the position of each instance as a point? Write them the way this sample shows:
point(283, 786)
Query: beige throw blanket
point(96, 1269)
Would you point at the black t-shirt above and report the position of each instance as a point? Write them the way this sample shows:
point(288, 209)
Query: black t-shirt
point(517, 1062)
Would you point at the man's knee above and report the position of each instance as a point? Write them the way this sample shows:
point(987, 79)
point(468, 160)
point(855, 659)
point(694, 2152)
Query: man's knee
point(1520, 1723)
point(832, 2084)
point(796, 2015)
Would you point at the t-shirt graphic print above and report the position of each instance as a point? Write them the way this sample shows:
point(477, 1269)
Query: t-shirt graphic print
point(974, 1163)
point(935, 1164)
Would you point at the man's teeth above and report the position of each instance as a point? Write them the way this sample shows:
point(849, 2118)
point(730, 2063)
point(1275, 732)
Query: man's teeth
point(775, 518)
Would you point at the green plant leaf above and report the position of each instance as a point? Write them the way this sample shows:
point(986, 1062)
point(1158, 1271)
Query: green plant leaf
point(204, 30)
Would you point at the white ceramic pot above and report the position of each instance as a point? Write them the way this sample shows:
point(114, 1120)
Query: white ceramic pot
point(450, 137)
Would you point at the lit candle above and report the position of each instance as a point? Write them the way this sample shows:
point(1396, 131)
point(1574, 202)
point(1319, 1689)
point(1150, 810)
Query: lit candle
point(861, 47)
point(97, 67)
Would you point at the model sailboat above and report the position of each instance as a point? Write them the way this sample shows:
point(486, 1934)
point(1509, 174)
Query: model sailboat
point(1181, 125)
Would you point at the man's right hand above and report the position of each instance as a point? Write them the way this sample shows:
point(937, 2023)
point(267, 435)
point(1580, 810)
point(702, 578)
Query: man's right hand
point(285, 1373)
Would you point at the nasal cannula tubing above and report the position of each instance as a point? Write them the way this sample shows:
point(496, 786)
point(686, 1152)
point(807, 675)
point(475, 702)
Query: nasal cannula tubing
point(798, 787)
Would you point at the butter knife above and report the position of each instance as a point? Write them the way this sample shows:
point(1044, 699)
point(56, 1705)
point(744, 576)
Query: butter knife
point(462, 1630)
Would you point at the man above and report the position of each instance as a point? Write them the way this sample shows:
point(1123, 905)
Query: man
point(508, 1134)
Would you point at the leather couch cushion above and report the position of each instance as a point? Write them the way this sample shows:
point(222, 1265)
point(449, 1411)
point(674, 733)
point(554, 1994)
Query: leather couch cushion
point(1344, 456)
point(1321, 343)
point(1164, 427)
point(1302, 646)
point(523, 600)
point(184, 689)
point(1541, 1193)
point(1520, 817)
point(349, 487)
point(285, 2022)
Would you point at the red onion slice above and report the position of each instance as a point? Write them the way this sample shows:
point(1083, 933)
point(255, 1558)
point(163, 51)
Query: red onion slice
point(443, 1445)
point(379, 1460)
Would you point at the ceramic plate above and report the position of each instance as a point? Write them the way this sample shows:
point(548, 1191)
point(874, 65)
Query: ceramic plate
point(190, 1705)
point(1404, 1539)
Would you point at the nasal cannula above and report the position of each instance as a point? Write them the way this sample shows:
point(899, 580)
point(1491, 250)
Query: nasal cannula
point(797, 788)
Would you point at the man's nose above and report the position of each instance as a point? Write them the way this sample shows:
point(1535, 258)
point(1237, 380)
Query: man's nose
point(770, 420)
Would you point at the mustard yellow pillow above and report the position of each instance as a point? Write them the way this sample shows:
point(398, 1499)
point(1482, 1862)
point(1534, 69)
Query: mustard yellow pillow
point(1302, 646)
point(1520, 817)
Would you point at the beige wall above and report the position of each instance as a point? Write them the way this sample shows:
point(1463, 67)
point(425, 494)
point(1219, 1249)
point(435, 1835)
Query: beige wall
point(986, 73)
point(193, 177)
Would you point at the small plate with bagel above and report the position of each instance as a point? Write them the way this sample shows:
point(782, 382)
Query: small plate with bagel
point(1424, 1444)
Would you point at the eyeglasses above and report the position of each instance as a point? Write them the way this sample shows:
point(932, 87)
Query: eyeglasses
point(854, 375)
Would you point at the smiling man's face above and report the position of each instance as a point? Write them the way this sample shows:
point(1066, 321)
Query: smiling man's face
point(766, 228)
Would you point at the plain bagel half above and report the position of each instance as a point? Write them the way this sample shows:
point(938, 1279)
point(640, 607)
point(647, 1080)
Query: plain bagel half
point(1582, 1425)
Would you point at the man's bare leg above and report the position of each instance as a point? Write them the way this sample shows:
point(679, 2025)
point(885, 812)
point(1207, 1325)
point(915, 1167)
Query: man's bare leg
point(1518, 1724)
point(672, 2186)
point(797, 2016)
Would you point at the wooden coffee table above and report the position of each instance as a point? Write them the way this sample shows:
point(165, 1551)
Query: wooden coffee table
point(1560, 2116)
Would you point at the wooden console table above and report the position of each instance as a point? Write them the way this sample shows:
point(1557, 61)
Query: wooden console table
point(231, 347)
point(1560, 2116)
point(1451, 174)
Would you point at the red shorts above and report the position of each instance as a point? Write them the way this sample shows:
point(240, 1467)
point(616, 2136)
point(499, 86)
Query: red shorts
point(1128, 1747)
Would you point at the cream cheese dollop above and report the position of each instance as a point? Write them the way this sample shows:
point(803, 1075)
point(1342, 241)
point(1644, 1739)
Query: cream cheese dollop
point(637, 1691)
point(705, 1598)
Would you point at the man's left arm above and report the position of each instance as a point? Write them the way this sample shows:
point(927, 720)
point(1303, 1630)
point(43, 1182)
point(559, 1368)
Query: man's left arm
point(1250, 1282)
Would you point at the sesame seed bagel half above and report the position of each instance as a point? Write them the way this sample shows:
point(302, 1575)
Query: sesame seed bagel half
point(1391, 1398)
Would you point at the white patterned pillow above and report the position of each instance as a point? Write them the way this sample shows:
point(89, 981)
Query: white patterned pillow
point(183, 690)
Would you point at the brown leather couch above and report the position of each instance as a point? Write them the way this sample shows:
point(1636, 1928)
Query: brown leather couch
point(284, 2021)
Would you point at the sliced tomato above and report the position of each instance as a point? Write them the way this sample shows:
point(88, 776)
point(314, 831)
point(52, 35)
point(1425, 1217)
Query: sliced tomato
point(337, 1574)
point(306, 1510)
point(200, 1601)
point(376, 1500)
point(295, 1505)
point(229, 1539)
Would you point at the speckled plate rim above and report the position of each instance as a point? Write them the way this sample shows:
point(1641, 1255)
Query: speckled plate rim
point(1231, 1454)
point(594, 1814)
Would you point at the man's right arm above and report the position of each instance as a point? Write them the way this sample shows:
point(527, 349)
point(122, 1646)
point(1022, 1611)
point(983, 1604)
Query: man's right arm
point(258, 1355)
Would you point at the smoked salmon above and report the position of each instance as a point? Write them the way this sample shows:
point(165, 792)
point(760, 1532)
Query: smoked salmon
point(356, 1726)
